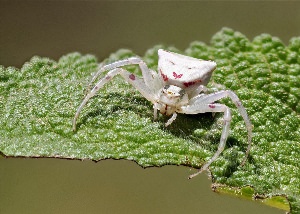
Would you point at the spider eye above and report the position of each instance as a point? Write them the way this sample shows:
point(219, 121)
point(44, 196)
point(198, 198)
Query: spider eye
point(166, 87)
point(181, 92)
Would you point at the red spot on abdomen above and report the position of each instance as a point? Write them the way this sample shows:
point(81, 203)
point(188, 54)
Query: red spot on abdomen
point(165, 78)
point(211, 106)
point(187, 84)
point(132, 76)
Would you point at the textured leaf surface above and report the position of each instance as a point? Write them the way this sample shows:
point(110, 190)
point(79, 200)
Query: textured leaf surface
point(38, 102)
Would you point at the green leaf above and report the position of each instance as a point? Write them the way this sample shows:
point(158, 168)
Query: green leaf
point(38, 103)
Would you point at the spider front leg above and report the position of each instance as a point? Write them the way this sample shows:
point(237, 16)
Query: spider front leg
point(194, 109)
point(137, 82)
point(205, 103)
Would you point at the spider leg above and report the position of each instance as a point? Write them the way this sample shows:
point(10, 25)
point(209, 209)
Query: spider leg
point(171, 119)
point(197, 92)
point(148, 74)
point(155, 108)
point(137, 82)
point(210, 98)
point(202, 108)
point(203, 103)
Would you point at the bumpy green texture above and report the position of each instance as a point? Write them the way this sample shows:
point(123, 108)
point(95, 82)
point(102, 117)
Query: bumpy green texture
point(38, 102)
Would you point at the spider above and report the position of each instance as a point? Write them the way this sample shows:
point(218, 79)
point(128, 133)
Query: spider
point(179, 86)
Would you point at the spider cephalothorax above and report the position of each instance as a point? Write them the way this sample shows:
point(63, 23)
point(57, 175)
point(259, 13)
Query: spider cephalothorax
point(171, 98)
point(179, 86)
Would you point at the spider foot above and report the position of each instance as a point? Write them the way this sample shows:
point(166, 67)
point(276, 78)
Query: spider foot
point(197, 173)
point(171, 119)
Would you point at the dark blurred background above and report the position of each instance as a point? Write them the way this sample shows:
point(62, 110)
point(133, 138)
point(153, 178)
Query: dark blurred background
point(55, 28)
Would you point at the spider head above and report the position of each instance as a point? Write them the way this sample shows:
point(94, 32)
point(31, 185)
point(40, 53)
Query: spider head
point(173, 96)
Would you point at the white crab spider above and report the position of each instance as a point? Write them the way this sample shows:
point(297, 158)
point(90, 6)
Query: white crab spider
point(178, 87)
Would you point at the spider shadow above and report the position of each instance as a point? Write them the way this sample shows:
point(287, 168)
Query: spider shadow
point(185, 126)
point(127, 104)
